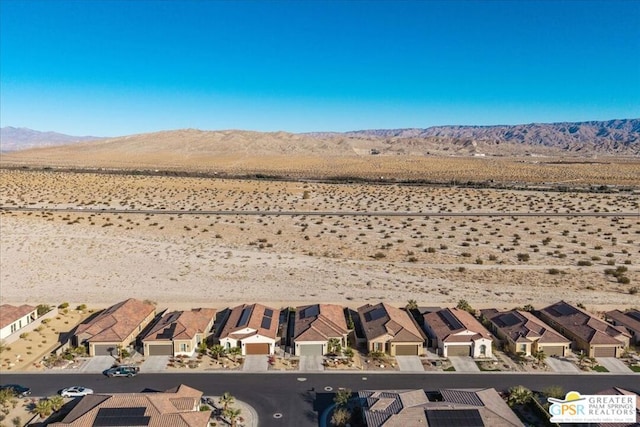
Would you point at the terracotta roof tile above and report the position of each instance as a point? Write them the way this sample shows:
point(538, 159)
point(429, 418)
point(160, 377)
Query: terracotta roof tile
point(629, 319)
point(116, 322)
point(449, 325)
point(319, 322)
point(518, 324)
point(383, 319)
point(257, 313)
point(181, 325)
point(11, 313)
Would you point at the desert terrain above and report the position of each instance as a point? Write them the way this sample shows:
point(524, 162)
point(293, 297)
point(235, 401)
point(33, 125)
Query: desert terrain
point(195, 258)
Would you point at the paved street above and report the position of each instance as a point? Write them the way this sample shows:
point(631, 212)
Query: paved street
point(614, 365)
point(292, 395)
point(561, 365)
point(464, 364)
point(409, 364)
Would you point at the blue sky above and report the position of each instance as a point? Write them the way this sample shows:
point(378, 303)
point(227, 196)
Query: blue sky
point(109, 68)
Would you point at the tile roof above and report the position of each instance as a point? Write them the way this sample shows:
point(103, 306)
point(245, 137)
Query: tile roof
point(178, 407)
point(382, 319)
point(522, 326)
point(584, 325)
point(11, 313)
point(390, 408)
point(319, 322)
point(629, 319)
point(117, 322)
point(253, 317)
point(181, 325)
point(620, 391)
point(448, 324)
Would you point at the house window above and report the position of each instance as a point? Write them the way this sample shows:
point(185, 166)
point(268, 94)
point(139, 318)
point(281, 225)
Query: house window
point(483, 350)
point(13, 328)
point(228, 345)
point(183, 347)
point(523, 348)
point(377, 346)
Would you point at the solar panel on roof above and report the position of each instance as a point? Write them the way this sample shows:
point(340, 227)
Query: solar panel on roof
point(510, 319)
point(375, 314)
point(565, 309)
point(634, 315)
point(311, 311)
point(266, 322)
point(454, 418)
point(121, 417)
point(268, 312)
point(451, 320)
point(244, 317)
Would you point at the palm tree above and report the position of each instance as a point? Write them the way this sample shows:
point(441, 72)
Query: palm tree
point(232, 414)
point(412, 305)
point(217, 350)
point(234, 351)
point(540, 356)
point(56, 401)
point(348, 352)
point(226, 400)
point(581, 359)
point(342, 397)
point(42, 408)
point(333, 346)
point(340, 417)
point(519, 395)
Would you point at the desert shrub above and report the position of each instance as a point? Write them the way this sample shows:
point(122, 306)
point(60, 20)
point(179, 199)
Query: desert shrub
point(43, 309)
point(63, 305)
point(523, 257)
point(584, 263)
point(633, 290)
point(554, 271)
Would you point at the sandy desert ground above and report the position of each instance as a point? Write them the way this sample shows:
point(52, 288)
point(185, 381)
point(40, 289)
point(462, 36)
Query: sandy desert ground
point(191, 258)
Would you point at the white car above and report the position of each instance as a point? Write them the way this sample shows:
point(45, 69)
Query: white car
point(75, 391)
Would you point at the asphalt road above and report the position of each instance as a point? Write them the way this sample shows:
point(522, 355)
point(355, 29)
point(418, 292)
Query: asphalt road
point(322, 213)
point(296, 401)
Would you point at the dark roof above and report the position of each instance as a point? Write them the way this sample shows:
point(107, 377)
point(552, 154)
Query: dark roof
point(319, 322)
point(584, 325)
point(449, 322)
point(382, 319)
point(519, 325)
point(629, 319)
point(256, 316)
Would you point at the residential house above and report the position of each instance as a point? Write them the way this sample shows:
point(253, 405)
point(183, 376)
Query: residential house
point(450, 407)
point(617, 391)
point(391, 330)
point(13, 318)
point(523, 333)
point(117, 326)
point(589, 334)
point(177, 407)
point(253, 328)
point(315, 325)
point(455, 332)
point(179, 333)
point(629, 319)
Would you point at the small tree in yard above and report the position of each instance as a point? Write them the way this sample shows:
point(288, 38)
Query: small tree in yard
point(554, 391)
point(234, 351)
point(232, 414)
point(412, 304)
point(540, 356)
point(519, 395)
point(56, 401)
point(217, 350)
point(334, 346)
point(226, 400)
point(463, 304)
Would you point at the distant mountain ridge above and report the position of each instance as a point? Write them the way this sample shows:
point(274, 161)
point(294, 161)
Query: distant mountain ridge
point(613, 137)
point(17, 138)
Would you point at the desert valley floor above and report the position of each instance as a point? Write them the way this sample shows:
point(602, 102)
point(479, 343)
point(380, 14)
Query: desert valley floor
point(193, 258)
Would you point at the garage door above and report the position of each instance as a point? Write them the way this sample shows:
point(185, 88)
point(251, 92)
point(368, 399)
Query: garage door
point(459, 350)
point(310, 349)
point(604, 352)
point(406, 350)
point(160, 350)
point(257, 348)
point(553, 350)
point(104, 349)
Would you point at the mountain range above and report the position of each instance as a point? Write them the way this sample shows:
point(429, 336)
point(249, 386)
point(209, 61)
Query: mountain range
point(613, 137)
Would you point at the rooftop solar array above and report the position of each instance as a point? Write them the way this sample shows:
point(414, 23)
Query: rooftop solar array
point(311, 311)
point(565, 309)
point(375, 314)
point(266, 319)
point(634, 315)
point(450, 320)
point(121, 417)
point(244, 317)
point(454, 418)
point(510, 319)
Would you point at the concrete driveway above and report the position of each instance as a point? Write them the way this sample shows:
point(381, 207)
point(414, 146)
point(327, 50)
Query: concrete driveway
point(155, 364)
point(464, 364)
point(409, 364)
point(97, 364)
point(311, 364)
point(614, 365)
point(256, 363)
point(561, 365)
